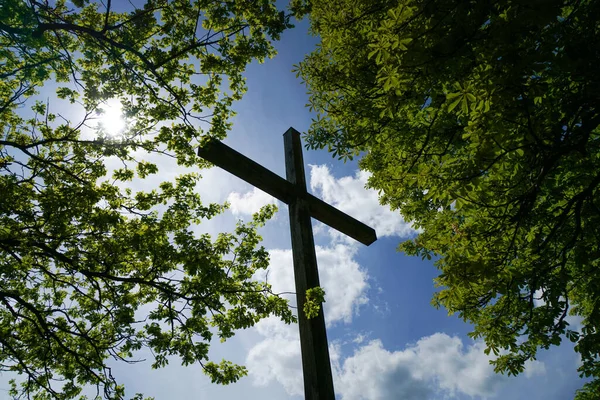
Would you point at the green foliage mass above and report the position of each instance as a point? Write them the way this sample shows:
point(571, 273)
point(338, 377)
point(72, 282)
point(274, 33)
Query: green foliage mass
point(91, 270)
point(479, 123)
point(314, 298)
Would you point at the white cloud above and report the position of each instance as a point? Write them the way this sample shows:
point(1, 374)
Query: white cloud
point(344, 281)
point(350, 195)
point(277, 356)
point(374, 373)
point(250, 202)
point(442, 358)
point(436, 364)
point(534, 367)
point(359, 338)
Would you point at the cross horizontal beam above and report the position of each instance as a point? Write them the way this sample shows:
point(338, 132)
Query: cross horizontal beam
point(241, 166)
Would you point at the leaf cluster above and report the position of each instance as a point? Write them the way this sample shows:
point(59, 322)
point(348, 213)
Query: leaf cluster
point(97, 262)
point(315, 297)
point(479, 122)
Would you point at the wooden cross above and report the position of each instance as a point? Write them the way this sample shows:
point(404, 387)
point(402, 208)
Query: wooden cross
point(316, 367)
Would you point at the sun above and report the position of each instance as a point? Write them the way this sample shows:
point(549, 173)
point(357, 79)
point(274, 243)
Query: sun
point(111, 118)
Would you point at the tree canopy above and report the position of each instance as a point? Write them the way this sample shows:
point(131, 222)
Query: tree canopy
point(479, 122)
point(91, 270)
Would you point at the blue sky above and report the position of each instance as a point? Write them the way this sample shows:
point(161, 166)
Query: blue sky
point(387, 341)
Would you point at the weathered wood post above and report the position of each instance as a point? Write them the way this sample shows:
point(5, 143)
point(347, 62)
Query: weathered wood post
point(318, 380)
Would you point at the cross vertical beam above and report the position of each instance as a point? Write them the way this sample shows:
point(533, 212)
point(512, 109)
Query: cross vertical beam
point(318, 382)
point(316, 366)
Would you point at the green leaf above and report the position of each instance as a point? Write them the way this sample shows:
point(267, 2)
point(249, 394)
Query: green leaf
point(465, 105)
point(372, 53)
point(453, 105)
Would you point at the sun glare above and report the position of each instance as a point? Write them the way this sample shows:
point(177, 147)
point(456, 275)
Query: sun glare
point(111, 119)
